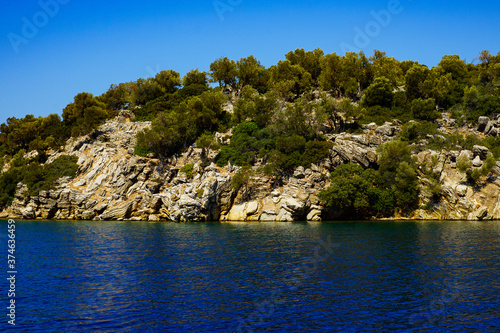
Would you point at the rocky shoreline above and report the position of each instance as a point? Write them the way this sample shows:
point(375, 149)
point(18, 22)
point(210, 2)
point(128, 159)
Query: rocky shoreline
point(114, 184)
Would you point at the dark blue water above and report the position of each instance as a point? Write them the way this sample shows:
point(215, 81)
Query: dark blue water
point(268, 277)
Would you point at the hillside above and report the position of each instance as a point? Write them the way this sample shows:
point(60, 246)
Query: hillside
point(315, 137)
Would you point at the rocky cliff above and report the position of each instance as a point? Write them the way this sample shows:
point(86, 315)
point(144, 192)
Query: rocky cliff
point(114, 184)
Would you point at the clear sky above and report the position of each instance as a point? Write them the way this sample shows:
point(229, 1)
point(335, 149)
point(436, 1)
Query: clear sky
point(51, 50)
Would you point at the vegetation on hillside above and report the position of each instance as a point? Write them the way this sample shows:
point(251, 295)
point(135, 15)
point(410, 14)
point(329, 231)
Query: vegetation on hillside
point(36, 176)
point(280, 116)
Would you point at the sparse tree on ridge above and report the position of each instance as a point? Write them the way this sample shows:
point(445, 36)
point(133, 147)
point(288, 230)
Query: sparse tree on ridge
point(224, 72)
point(194, 76)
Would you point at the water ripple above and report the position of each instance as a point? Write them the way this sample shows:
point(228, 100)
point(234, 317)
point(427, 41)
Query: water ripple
point(267, 277)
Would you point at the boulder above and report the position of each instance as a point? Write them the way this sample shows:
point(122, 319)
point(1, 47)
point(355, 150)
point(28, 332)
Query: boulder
point(299, 172)
point(480, 151)
point(482, 122)
point(88, 215)
point(117, 212)
point(481, 213)
point(461, 190)
point(449, 194)
point(476, 162)
point(314, 214)
point(386, 130)
point(494, 131)
point(370, 126)
point(465, 154)
point(491, 124)
point(154, 218)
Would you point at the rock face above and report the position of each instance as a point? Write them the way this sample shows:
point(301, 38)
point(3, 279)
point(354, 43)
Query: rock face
point(114, 184)
point(461, 200)
point(489, 126)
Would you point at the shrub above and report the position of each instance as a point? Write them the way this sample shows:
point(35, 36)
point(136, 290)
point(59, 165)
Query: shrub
point(380, 92)
point(200, 192)
point(475, 174)
point(357, 192)
point(406, 185)
point(240, 179)
point(36, 176)
point(464, 164)
point(188, 170)
point(399, 171)
point(415, 131)
point(315, 151)
point(424, 109)
point(391, 154)
point(248, 140)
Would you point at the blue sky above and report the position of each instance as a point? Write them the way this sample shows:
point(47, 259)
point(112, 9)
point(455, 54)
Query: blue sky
point(78, 45)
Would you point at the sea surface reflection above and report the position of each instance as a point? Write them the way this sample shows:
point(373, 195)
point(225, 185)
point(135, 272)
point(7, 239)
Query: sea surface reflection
point(256, 277)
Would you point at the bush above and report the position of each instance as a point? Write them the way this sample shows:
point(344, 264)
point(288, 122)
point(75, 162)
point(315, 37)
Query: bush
point(391, 154)
point(413, 132)
point(357, 192)
point(474, 174)
point(247, 141)
point(398, 169)
point(424, 109)
point(36, 176)
point(188, 170)
point(240, 179)
point(153, 108)
point(195, 89)
point(380, 93)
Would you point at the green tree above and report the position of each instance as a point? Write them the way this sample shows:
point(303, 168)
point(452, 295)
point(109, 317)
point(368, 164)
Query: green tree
point(224, 72)
point(387, 67)
point(117, 97)
point(166, 137)
point(357, 192)
point(300, 118)
point(251, 72)
point(390, 155)
point(414, 79)
point(330, 78)
point(194, 76)
point(168, 80)
point(380, 92)
point(253, 106)
point(145, 90)
point(424, 109)
point(398, 169)
point(310, 61)
point(454, 65)
point(357, 73)
point(437, 86)
point(84, 114)
point(406, 184)
point(293, 76)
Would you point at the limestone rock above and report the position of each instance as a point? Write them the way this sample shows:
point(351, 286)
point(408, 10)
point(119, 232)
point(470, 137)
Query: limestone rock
point(299, 172)
point(480, 151)
point(476, 162)
point(481, 213)
point(461, 190)
point(482, 122)
point(386, 130)
point(117, 212)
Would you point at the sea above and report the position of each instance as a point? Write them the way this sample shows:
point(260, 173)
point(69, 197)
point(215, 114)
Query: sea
point(389, 276)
